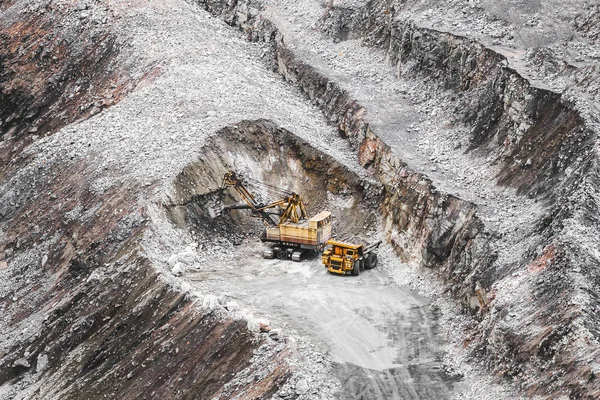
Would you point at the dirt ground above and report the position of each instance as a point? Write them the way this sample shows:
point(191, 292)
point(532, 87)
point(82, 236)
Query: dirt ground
point(383, 338)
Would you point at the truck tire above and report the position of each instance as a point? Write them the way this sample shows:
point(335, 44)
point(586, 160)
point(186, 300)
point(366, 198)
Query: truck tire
point(268, 254)
point(371, 261)
point(277, 252)
point(356, 268)
point(368, 261)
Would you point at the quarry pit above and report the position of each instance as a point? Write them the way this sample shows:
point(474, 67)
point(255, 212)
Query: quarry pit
point(360, 332)
point(465, 141)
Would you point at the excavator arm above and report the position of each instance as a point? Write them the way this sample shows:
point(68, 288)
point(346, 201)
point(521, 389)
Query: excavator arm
point(231, 179)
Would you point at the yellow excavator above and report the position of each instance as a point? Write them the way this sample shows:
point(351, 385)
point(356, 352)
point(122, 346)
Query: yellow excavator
point(290, 230)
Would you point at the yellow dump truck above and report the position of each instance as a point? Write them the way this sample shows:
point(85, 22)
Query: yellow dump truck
point(292, 233)
point(346, 258)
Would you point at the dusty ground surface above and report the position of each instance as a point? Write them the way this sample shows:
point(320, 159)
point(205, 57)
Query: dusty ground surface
point(205, 76)
point(384, 339)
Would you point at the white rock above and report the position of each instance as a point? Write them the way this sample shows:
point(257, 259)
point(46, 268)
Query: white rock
point(172, 260)
point(211, 302)
point(187, 257)
point(42, 363)
point(232, 306)
point(186, 287)
point(22, 362)
point(275, 334)
point(301, 387)
point(178, 269)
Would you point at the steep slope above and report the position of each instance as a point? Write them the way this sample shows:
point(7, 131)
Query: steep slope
point(85, 311)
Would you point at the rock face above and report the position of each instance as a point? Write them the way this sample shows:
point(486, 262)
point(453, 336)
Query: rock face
point(53, 74)
point(546, 149)
point(536, 313)
point(261, 151)
point(174, 349)
point(84, 312)
point(100, 320)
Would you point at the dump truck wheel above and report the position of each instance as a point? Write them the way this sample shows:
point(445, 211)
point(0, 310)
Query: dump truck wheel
point(356, 268)
point(373, 260)
point(368, 260)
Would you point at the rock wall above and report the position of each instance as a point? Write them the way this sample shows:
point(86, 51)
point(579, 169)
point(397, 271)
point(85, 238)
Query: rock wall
point(537, 327)
point(83, 312)
point(430, 228)
point(261, 151)
point(53, 74)
point(546, 148)
point(425, 226)
point(535, 134)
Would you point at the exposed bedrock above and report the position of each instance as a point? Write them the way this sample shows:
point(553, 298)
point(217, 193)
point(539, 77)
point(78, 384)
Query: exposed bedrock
point(95, 316)
point(430, 223)
point(54, 74)
point(545, 148)
point(259, 150)
point(427, 226)
point(538, 138)
point(262, 152)
point(98, 320)
point(537, 316)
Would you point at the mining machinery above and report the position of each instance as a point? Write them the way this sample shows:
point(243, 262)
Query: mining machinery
point(287, 226)
point(346, 258)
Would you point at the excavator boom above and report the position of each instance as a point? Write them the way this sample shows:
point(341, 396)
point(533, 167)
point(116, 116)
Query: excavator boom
point(231, 179)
